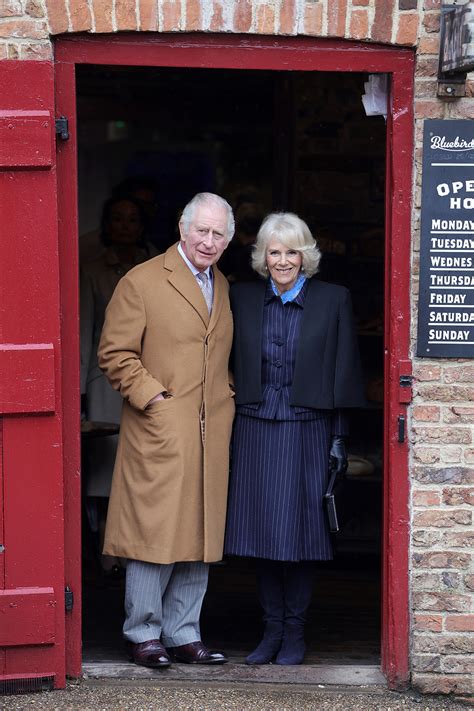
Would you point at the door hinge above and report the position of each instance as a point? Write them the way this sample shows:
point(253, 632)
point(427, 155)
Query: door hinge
point(62, 128)
point(68, 598)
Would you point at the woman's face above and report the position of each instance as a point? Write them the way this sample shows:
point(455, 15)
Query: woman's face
point(124, 225)
point(284, 265)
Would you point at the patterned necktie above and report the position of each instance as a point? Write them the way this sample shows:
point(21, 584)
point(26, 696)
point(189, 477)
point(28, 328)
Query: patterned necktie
point(205, 284)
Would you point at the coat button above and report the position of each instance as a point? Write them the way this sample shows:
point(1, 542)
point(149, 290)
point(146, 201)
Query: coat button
point(277, 363)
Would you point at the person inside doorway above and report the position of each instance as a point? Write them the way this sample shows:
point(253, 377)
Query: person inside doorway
point(165, 347)
point(123, 236)
point(143, 190)
point(296, 369)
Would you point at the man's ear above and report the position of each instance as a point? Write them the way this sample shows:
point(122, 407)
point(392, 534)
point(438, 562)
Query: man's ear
point(182, 233)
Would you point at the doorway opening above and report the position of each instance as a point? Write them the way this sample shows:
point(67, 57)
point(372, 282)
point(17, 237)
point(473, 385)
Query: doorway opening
point(266, 141)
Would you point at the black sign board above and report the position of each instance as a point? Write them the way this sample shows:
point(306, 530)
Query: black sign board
point(446, 304)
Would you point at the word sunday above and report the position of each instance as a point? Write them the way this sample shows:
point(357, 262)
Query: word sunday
point(445, 335)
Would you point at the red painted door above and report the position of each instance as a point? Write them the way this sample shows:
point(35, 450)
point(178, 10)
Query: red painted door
point(32, 580)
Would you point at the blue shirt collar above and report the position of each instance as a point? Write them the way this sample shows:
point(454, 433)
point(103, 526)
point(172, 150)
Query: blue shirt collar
point(292, 293)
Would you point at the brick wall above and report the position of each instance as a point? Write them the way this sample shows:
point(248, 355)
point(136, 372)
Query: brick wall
point(442, 416)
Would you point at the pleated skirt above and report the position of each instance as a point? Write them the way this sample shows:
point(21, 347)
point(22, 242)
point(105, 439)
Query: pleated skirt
point(278, 477)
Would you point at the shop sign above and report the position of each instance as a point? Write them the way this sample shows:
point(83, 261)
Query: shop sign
point(457, 38)
point(446, 300)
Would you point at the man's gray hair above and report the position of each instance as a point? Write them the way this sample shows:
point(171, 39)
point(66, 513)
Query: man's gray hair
point(208, 199)
point(294, 233)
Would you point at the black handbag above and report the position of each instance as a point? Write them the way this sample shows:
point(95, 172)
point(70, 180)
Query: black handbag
point(333, 502)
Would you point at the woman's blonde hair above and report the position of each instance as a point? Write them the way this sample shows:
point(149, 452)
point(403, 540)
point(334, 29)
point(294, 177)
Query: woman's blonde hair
point(293, 232)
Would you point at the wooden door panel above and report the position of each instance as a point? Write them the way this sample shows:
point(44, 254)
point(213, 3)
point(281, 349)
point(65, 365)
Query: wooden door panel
point(32, 584)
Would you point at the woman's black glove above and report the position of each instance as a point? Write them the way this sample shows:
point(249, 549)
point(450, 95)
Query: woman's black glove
point(338, 456)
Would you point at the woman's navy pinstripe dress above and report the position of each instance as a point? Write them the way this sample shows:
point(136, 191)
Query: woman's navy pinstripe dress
point(280, 455)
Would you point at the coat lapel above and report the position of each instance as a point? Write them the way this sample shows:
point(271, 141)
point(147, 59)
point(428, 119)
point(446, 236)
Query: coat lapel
point(220, 291)
point(184, 282)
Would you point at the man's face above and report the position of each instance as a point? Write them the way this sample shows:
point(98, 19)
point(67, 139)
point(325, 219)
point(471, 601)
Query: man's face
point(206, 238)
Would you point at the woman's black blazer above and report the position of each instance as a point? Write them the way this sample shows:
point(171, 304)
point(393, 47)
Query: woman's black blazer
point(327, 370)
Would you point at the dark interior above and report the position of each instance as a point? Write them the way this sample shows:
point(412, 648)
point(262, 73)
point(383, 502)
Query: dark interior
point(295, 141)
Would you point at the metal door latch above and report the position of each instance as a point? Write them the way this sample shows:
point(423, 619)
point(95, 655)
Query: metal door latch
point(401, 428)
point(62, 128)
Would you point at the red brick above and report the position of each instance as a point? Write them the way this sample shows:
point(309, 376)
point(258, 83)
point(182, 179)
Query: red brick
point(426, 662)
point(288, 18)
point(432, 5)
point(17, 29)
point(426, 498)
point(458, 665)
point(426, 372)
point(193, 15)
point(313, 18)
point(443, 644)
point(459, 374)
point(39, 52)
point(448, 475)
point(442, 683)
point(445, 393)
point(469, 582)
point(125, 15)
point(458, 414)
point(10, 8)
point(148, 15)
point(462, 109)
point(426, 66)
point(428, 45)
point(443, 435)
point(438, 518)
point(425, 539)
point(451, 454)
point(217, 19)
point(337, 10)
point(171, 15)
point(242, 16)
point(57, 16)
point(361, 3)
point(102, 11)
point(431, 21)
point(458, 496)
point(34, 8)
point(440, 601)
point(80, 16)
point(426, 413)
point(427, 455)
point(427, 623)
point(407, 33)
point(383, 20)
point(469, 455)
point(441, 559)
point(265, 20)
point(458, 539)
point(359, 27)
point(459, 623)
point(407, 4)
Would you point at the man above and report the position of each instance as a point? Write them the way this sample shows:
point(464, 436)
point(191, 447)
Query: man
point(165, 346)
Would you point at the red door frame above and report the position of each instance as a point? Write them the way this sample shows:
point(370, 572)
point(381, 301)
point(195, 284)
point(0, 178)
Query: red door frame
point(269, 53)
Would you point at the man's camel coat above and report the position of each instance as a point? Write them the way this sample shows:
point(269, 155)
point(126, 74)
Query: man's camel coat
point(169, 489)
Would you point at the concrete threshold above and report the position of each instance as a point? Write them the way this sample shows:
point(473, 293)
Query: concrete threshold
point(238, 672)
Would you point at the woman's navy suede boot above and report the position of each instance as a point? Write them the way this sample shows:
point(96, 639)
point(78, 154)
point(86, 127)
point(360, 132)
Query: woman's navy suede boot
point(270, 595)
point(298, 587)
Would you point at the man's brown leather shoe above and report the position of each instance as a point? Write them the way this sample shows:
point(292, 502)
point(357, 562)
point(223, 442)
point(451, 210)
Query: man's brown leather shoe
point(196, 653)
point(148, 654)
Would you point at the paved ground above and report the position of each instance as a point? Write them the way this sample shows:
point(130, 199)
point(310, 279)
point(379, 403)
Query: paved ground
point(143, 696)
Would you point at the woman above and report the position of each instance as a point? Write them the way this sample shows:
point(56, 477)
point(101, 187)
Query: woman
point(122, 234)
point(296, 368)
